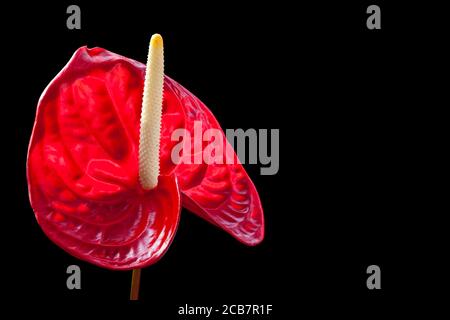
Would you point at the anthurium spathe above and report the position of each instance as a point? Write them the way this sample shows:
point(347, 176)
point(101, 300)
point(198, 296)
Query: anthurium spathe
point(101, 179)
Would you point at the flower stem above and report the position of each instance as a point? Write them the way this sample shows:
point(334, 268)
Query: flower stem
point(135, 282)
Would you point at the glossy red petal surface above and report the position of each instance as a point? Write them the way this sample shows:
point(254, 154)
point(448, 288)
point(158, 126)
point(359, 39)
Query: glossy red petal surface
point(223, 194)
point(82, 164)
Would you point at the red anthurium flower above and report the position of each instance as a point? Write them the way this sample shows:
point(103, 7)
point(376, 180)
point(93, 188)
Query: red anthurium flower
point(83, 170)
point(84, 175)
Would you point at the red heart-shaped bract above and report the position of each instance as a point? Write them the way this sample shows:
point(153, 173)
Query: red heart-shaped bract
point(83, 167)
point(83, 164)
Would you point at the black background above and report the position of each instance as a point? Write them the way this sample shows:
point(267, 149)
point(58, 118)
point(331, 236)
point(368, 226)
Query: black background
point(342, 200)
